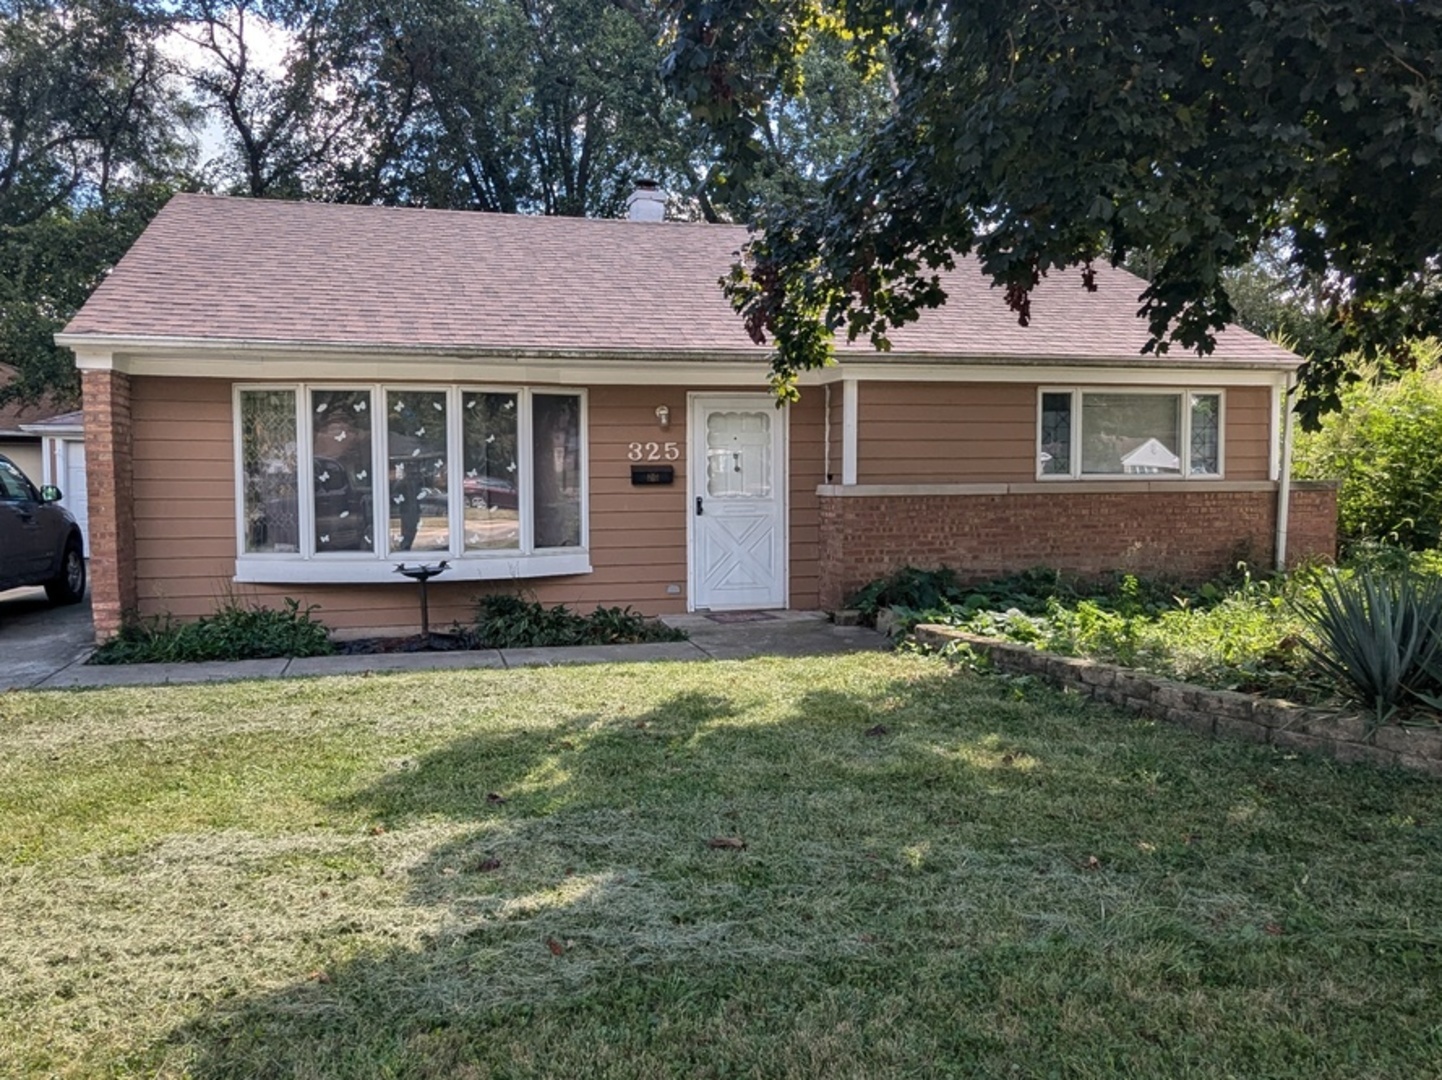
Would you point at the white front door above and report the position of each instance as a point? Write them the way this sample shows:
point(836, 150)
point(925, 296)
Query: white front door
point(738, 502)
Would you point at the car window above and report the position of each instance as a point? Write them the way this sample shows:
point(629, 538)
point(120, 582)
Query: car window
point(13, 484)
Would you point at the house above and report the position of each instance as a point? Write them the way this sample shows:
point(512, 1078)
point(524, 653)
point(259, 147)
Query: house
point(288, 400)
point(48, 444)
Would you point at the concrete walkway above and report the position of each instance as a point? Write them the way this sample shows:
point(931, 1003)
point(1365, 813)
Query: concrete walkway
point(713, 637)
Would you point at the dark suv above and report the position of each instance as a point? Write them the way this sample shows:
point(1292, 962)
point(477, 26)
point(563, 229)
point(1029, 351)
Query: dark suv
point(39, 540)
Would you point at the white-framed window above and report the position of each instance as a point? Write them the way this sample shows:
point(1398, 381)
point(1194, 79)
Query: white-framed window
point(1127, 433)
point(340, 482)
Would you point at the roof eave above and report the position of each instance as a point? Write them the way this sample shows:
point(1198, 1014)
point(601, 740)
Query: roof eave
point(92, 342)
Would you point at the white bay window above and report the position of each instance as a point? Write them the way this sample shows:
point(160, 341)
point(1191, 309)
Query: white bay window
point(338, 483)
point(1125, 434)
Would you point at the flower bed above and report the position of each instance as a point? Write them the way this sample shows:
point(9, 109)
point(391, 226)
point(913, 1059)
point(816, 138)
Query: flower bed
point(1219, 713)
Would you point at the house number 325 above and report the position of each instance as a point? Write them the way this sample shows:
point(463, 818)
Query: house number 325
point(653, 451)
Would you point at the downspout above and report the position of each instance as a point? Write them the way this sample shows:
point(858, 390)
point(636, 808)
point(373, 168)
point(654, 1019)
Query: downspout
point(1284, 484)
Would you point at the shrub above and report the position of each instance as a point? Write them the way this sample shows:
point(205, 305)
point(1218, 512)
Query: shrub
point(235, 632)
point(504, 621)
point(1383, 447)
point(1377, 638)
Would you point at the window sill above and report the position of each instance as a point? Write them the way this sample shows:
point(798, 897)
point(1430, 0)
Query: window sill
point(366, 570)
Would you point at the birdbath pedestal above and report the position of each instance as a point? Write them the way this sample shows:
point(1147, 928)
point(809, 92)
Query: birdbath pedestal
point(422, 573)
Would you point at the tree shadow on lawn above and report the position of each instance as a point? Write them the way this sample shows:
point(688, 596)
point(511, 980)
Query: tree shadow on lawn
point(924, 880)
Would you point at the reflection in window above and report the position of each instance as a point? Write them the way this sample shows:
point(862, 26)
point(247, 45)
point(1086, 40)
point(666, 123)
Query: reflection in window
point(417, 505)
point(341, 457)
point(492, 475)
point(269, 481)
point(738, 454)
point(1131, 434)
point(556, 464)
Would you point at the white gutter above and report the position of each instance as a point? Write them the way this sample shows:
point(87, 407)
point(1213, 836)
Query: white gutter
point(1284, 481)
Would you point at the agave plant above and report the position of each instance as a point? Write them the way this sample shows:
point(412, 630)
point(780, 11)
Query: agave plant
point(1377, 637)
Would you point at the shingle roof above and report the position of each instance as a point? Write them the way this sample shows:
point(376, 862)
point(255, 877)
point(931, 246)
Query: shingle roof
point(232, 270)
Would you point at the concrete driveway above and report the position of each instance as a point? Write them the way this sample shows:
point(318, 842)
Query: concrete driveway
point(38, 640)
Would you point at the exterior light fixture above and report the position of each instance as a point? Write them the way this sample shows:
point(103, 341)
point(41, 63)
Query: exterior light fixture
point(663, 417)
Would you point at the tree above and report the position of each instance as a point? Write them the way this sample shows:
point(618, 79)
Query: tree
point(87, 125)
point(1043, 137)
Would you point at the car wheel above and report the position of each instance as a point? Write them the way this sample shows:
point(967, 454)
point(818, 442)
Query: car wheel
point(68, 587)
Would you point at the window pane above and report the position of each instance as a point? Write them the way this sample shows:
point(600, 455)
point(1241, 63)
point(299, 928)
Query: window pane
point(738, 454)
point(1055, 434)
point(417, 506)
point(270, 488)
point(1131, 434)
point(1206, 434)
point(341, 442)
point(556, 454)
point(493, 507)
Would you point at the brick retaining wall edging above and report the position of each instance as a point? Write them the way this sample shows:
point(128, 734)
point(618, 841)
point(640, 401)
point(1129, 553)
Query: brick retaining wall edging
point(1218, 713)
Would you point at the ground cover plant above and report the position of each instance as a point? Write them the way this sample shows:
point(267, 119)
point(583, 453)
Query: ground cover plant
point(859, 866)
point(1242, 634)
point(504, 621)
point(236, 631)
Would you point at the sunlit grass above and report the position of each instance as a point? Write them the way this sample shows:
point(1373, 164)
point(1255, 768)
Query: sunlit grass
point(508, 873)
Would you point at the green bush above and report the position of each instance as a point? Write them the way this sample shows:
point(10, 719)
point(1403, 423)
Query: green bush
point(1377, 638)
point(1383, 445)
point(235, 632)
point(504, 621)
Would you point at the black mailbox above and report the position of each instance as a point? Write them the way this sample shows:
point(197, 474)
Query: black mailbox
point(643, 475)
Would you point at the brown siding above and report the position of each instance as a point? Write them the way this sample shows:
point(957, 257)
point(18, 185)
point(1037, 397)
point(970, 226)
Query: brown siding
point(938, 433)
point(1248, 447)
point(185, 515)
point(834, 413)
point(808, 434)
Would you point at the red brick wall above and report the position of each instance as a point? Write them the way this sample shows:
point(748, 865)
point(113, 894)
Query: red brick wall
point(1312, 522)
point(1189, 536)
point(111, 491)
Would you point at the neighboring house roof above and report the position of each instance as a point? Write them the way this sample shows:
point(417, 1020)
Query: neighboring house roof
point(71, 423)
point(245, 271)
point(15, 418)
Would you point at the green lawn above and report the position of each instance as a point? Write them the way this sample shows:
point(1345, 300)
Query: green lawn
point(508, 874)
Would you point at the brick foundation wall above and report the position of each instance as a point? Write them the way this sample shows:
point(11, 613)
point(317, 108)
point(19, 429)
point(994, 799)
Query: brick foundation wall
point(110, 488)
point(1186, 535)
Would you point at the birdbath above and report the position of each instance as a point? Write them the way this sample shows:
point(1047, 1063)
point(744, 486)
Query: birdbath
point(423, 572)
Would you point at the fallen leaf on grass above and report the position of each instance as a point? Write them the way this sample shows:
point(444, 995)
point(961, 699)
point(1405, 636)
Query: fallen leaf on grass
point(878, 730)
point(726, 843)
point(1092, 863)
point(318, 976)
point(489, 864)
point(378, 830)
point(1273, 929)
point(557, 949)
point(495, 797)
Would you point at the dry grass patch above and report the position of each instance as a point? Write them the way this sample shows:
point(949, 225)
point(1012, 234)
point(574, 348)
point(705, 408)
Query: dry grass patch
point(508, 873)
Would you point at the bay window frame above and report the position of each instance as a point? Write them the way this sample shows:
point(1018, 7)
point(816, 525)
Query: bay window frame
point(1184, 394)
point(310, 566)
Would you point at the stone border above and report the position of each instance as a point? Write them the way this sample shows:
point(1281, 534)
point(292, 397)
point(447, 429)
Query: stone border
point(1218, 713)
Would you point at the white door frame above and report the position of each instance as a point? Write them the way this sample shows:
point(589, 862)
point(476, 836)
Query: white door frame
point(696, 400)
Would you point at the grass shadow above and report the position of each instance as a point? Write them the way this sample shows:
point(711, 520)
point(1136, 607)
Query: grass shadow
point(927, 875)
